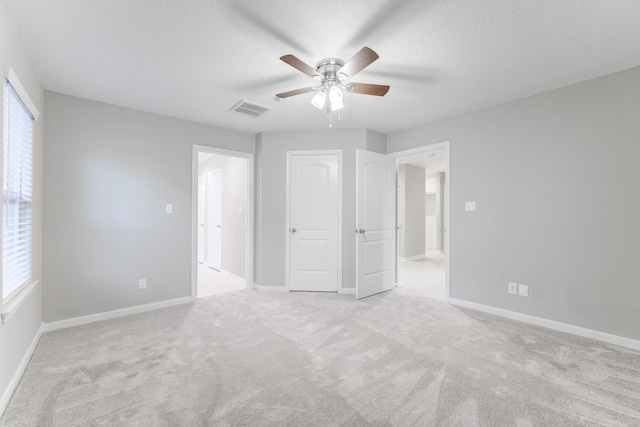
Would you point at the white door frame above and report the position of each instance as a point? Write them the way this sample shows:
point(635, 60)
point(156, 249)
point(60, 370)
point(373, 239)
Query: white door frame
point(288, 214)
point(248, 271)
point(447, 205)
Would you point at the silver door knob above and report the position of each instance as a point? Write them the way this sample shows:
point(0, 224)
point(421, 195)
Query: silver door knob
point(292, 230)
point(219, 226)
point(361, 231)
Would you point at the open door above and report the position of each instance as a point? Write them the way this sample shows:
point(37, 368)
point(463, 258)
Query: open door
point(375, 222)
point(214, 220)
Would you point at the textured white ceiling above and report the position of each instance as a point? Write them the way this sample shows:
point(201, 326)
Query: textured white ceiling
point(194, 59)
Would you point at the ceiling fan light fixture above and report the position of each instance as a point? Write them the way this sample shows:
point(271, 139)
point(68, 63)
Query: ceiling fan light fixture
point(335, 98)
point(335, 106)
point(319, 99)
point(333, 74)
point(335, 94)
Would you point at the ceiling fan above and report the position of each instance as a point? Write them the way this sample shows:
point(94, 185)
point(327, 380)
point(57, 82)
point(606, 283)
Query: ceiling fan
point(333, 75)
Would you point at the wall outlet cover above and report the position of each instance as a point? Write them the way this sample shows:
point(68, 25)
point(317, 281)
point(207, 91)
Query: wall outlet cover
point(469, 206)
point(513, 288)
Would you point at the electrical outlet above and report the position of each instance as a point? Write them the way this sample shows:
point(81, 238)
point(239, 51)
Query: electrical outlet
point(513, 288)
point(523, 290)
point(142, 284)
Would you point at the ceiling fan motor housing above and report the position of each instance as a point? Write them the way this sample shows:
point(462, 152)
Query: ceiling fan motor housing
point(329, 70)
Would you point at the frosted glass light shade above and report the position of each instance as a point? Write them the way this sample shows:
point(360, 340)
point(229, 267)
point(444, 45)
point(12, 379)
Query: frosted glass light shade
point(319, 99)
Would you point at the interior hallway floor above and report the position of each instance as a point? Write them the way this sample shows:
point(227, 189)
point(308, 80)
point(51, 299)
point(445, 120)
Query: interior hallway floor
point(422, 277)
point(212, 282)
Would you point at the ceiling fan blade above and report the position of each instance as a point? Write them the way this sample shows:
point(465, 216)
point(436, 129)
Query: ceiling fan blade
point(299, 65)
point(295, 92)
point(359, 62)
point(368, 89)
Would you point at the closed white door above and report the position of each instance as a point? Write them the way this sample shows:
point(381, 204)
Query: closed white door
point(375, 222)
point(313, 222)
point(214, 220)
point(202, 208)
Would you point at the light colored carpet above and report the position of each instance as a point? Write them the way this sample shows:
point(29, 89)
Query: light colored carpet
point(298, 359)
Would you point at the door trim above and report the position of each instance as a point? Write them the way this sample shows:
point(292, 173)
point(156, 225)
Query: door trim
point(445, 145)
point(289, 154)
point(249, 243)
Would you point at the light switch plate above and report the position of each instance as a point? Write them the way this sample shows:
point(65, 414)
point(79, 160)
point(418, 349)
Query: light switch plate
point(169, 208)
point(469, 206)
point(523, 290)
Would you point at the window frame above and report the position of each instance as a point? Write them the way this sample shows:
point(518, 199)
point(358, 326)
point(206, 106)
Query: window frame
point(10, 303)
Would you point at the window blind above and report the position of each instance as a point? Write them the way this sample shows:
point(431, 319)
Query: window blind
point(16, 192)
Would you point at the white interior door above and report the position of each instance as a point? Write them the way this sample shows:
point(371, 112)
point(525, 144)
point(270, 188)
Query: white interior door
point(313, 222)
point(214, 220)
point(375, 222)
point(202, 199)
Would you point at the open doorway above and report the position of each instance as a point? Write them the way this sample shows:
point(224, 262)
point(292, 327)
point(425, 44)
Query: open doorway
point(222, 210)
point(422, 219)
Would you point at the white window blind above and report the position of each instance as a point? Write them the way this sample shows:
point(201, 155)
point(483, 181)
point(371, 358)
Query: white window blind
point(16, 192)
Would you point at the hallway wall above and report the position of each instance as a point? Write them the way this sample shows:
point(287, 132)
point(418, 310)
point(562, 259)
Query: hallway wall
point(234, 196)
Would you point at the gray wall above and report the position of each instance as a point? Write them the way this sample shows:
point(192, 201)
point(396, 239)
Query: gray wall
point(430, 221)
point(109, 171)
point(271, 197)
point(531, 165)
point(376, 141)
point(234, 194)
point(19, 331)
point(412, 212)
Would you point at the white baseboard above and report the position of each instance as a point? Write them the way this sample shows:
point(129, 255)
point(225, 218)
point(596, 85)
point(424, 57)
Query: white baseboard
point(76, 321)
point(270, 288)
point(412, 258)
point(347, 291)
point(17, 375)
point(550, 324)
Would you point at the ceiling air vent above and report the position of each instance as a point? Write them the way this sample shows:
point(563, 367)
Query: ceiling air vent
point(249, 108)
